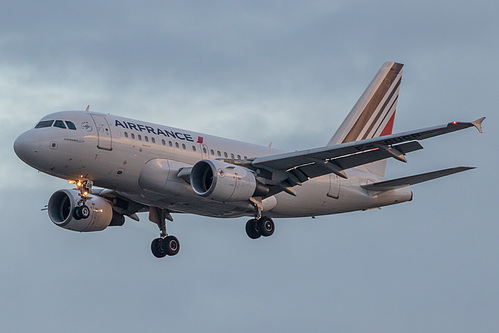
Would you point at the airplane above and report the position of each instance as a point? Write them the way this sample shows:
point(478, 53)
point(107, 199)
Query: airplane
point(120, 167)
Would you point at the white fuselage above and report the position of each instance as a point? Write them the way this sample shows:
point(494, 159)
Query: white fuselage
point(112, 152)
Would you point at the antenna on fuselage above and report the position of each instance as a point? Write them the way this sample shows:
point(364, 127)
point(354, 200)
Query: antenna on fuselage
point(88, 108)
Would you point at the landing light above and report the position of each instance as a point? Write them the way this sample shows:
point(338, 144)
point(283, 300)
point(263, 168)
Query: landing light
point(454, 122)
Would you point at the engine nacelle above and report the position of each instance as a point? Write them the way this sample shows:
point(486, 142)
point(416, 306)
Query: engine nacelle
point(63, 203)
point(222, 181)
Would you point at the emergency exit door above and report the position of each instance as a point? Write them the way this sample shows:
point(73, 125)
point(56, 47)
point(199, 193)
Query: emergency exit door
point(334, 187)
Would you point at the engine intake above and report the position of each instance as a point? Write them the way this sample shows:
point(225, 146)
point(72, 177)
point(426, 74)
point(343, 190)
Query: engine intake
point(63, 203)
point(222, 181)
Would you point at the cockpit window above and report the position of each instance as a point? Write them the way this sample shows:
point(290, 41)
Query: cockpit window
point(70, 124)
point(60, 124)
point(44, 123)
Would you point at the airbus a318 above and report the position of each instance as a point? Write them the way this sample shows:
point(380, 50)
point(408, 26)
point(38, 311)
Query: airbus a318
point(121, 167)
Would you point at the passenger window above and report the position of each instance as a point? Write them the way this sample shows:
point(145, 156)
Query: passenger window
point(212, 152)
point(60, 124)
point(176, 144)
point(170, 144)
point(70, 125)
point(183, 145)
point(44, 123)
point(133, 136)
point(232, 156)
point(146, 138)
point(225, 154)
point(238, 157)
point(126, 134)
point(218, 153)
point(245, 157)
point(205, 151)
point(193, 148)
point(153, 140)
point(163, 142)
point(139, 137)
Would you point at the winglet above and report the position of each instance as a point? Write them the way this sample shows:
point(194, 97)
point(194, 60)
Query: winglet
point(478, 124)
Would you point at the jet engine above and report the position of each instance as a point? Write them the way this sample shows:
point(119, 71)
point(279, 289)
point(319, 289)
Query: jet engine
point(222, 181)
point(65, 212)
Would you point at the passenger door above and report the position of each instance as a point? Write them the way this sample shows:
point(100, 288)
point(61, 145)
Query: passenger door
point(103, 132)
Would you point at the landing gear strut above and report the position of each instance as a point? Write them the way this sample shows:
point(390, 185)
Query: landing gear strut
point(263, 226)
point(165, 244)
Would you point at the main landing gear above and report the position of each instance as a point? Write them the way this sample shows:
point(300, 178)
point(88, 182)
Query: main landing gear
point(263, 226)
point(165, 244)
point(260, 225)
point(168, 245)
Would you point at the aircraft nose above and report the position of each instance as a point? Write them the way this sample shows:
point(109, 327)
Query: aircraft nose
point(26, 146)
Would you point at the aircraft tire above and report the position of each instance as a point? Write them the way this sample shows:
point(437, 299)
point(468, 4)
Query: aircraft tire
point(171, 245)
point(157, 248)
point(251, 229)
point(76, 213)
point(81, 212)
point(84, 212)
point(266, 226)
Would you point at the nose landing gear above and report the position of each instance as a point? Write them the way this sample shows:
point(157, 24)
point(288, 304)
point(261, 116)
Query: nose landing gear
point(82, 211)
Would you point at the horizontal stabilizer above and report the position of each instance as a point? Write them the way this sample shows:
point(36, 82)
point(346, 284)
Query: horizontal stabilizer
point(412, 180)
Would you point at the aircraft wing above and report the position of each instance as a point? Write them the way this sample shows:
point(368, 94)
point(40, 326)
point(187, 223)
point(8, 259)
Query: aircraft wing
point(290, 169)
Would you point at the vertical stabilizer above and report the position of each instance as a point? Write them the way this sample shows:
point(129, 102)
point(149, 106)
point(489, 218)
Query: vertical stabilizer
point(374, 113)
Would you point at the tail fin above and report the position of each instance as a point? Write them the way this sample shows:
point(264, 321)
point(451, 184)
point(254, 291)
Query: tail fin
point(374, 113)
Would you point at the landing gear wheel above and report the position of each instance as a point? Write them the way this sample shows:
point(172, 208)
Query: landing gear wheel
point(251, 229)
point(157, 248)
point(265, 226)
point(76, 213)
point(81, 212)
point(84, 212)
point(171, 245)
point(161, 247)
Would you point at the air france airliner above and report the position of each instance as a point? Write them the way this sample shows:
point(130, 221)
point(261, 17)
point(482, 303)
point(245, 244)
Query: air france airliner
point(120, 167)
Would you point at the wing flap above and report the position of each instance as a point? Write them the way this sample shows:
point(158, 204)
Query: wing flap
point(412, 180)
point(320, 167)
point(370, 156)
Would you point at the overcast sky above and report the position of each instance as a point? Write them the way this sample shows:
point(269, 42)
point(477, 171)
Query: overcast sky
point(263, 71)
